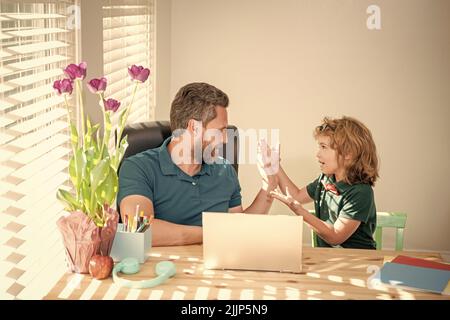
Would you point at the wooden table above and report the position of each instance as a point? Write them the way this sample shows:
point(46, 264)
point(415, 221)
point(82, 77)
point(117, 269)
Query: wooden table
point(327, 274)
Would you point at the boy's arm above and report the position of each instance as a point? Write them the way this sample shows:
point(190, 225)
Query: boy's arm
point(301, 195)
point(334, 234)
point(164, 233)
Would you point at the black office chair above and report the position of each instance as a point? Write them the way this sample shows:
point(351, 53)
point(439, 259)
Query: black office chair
point(151, 134)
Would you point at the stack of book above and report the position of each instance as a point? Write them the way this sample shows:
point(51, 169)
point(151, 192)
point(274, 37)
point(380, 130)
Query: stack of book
point(418, 274)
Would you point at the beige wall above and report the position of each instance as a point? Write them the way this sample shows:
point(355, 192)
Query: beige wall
point(286, 64)
point(163, 63)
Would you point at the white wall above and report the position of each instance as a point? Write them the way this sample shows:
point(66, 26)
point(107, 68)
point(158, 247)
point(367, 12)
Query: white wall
point(286, 64)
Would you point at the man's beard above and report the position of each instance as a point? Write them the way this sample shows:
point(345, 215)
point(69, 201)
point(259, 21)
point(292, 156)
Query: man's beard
point(210, 153)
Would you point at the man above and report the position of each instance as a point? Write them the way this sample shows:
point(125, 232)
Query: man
point(178, 181)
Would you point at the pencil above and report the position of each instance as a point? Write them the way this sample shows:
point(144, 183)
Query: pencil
point(125, 223)
point(136, 216)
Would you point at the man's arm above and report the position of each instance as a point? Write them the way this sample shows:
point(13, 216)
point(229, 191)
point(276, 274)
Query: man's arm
point(267, 164)
point(260, 205)
point(164, 233)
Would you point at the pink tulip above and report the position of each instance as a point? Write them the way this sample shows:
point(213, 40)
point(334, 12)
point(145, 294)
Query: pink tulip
point(97, 85)
point(111, 105)
point(138, 73)
point(63, 86)
point(74, 71)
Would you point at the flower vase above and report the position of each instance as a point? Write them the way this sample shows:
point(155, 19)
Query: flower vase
point(83, 239)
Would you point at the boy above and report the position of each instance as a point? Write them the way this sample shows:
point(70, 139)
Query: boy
point(343, 196)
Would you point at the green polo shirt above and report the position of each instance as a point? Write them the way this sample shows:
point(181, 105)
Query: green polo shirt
point(176, 196)
point(354, 202)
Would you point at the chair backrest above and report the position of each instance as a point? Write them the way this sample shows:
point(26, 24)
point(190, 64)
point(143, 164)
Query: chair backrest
point(395, 220)
point(384, 220)
point(151, 134)
point(145, 135)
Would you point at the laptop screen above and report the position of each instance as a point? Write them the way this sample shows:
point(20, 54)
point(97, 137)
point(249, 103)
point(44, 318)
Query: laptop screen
point(252, 241)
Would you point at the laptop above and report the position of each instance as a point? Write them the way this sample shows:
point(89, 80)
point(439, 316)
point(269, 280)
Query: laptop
point(252, 242)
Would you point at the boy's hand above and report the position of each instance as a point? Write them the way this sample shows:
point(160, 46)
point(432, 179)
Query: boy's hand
point(268, 163)
point(288, 200)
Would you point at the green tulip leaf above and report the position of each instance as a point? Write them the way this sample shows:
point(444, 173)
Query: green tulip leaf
point(121, 151)
point(67, 198)
point(123, 118)
point(73, 136)
point(77, 168)
point(95, 128)
point(108, 121)
point(107, 191)
point(85, 195)
point(99, 173)
point(88, 135)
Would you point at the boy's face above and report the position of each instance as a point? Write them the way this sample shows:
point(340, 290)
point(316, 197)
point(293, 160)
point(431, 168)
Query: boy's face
point(327, 156)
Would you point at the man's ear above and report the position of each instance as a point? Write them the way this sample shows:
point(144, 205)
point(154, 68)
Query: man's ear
point(191, 125)
point(198, 127)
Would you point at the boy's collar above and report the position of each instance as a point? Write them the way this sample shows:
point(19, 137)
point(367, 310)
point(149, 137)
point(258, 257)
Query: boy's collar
point(341, 186)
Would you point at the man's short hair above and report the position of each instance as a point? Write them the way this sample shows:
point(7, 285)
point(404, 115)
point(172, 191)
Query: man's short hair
point(196, 101)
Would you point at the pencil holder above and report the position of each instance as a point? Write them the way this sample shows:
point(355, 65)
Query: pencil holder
point(131, 245)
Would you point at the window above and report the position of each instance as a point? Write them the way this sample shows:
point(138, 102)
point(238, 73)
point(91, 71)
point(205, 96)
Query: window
point(128, 32)
point(36, 43)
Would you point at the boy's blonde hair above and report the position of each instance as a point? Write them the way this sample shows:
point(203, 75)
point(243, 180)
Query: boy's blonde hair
point(349, 136)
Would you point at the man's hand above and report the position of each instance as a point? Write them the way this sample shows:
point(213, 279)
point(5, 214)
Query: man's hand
point(268, 163)
point(288, 200)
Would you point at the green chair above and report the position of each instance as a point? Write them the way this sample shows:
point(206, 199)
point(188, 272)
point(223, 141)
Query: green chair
point(313, 234)
point(391, 220)
point(384, 220)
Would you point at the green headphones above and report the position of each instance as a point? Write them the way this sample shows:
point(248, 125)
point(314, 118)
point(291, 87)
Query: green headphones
point(164, 270)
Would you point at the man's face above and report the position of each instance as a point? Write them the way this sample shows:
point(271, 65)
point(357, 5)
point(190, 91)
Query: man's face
point(215, 132)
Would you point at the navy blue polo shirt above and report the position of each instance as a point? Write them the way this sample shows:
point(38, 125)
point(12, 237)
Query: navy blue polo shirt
point(176, 196)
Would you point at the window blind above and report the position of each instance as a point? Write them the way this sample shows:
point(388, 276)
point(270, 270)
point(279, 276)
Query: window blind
point(128, 38)
point(35, 45)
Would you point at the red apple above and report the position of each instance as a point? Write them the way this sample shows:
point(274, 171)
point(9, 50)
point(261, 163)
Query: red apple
point(100, 267)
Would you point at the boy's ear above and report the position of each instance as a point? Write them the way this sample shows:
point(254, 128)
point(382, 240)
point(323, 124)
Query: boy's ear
point(348, 157)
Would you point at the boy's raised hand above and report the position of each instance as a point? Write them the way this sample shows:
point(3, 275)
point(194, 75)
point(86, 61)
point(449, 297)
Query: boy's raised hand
point(268, 158)
point(288, 200)
point(268, 163)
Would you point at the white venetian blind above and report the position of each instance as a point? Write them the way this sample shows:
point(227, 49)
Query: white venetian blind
point(128, 38)
point(35, 45)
